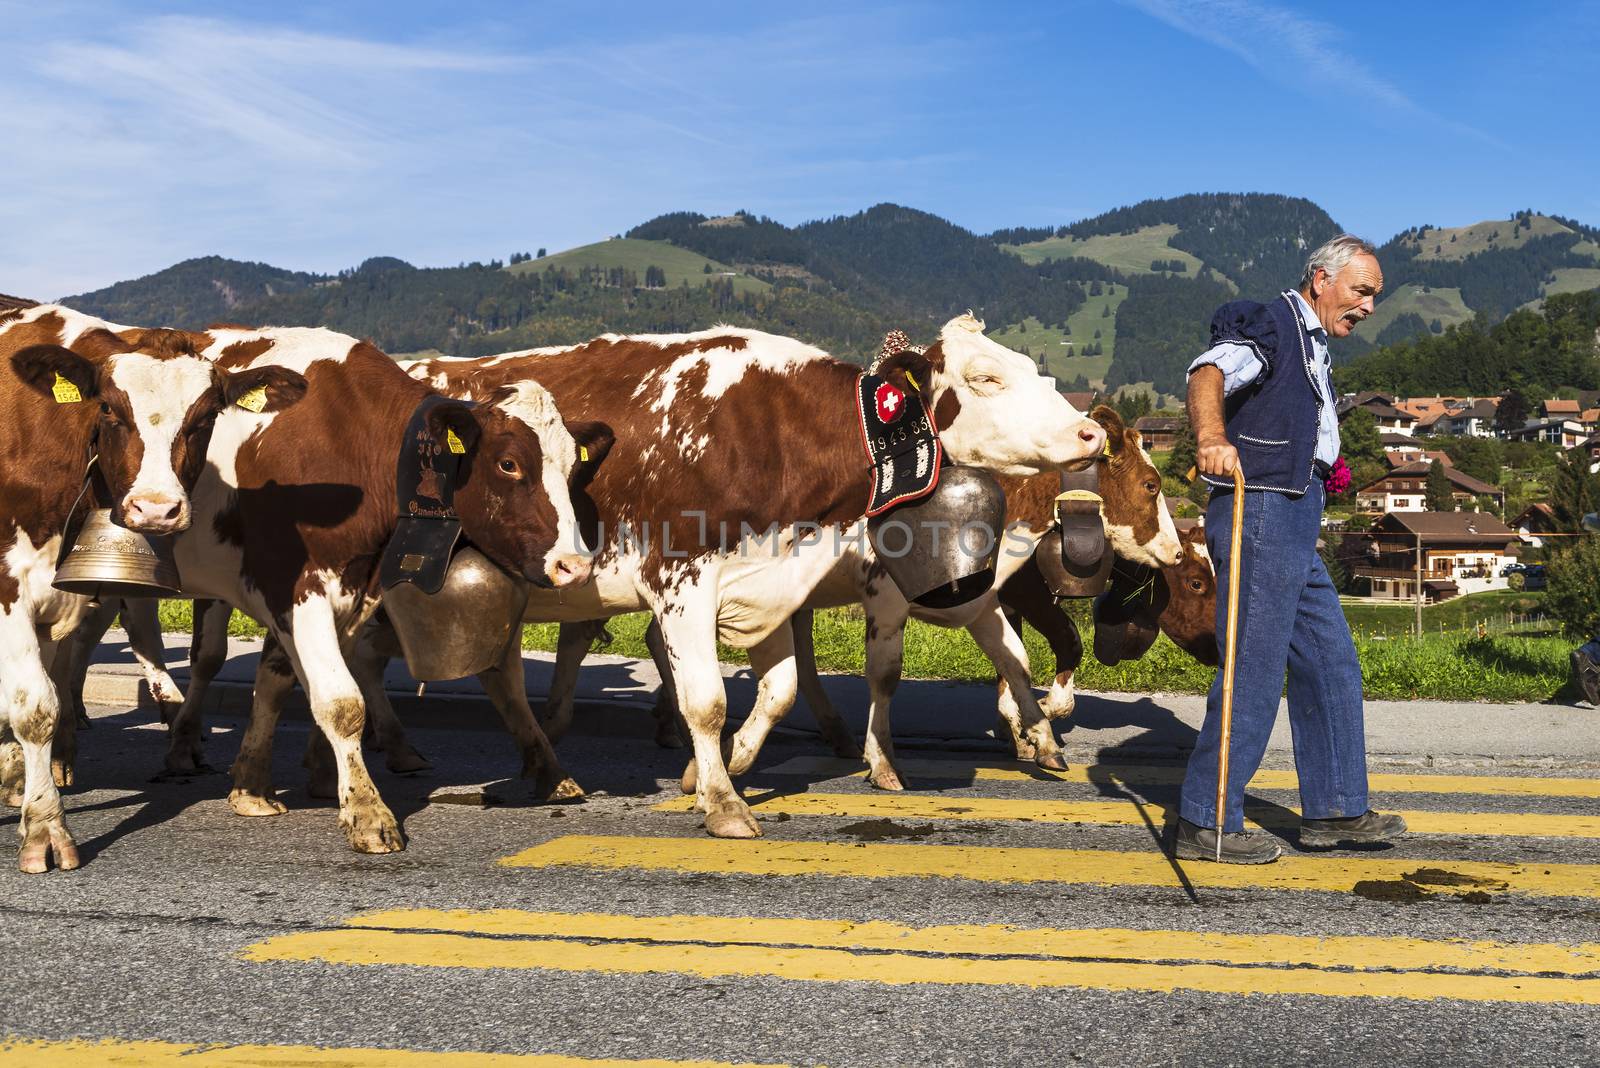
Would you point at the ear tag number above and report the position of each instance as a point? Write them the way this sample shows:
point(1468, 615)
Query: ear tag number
point(583, 454)
point(453, 442)
point(65, 392)
point(254, 401)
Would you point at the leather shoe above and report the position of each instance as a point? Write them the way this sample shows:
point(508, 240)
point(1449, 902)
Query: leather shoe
point(1369, 828)
point(1195, 842)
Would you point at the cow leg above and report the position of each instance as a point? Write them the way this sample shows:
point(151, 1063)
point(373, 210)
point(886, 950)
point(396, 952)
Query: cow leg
point(368, 660)
point(1002, 645)
point(690, 636)
point(33, 707)
point(886, 625)
point(832, 725)
point(572, 645)
point(11, 768)
point(208, 650)
point(312, 642)
point(252, 793)
point(64, 733)
point(670, 728)
point(141, 619)
point(773, 660)
point(508, 689)
point(79, 648)
point(1008, 718)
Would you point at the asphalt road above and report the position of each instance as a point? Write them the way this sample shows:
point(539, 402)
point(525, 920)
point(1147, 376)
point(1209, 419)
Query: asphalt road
point(990, 915)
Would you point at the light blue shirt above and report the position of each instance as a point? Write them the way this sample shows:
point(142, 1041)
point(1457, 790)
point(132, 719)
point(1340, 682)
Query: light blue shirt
point(1240, 366)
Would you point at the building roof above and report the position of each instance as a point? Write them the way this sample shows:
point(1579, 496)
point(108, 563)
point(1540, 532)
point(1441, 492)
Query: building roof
point(1425, 406)
point(1392, 438)
point(1169, 423)
point(1537, 514)
point(1446, 527)
point(1590, 415)
point(1459, 480)
point(1081, 401)
point(1556, 407)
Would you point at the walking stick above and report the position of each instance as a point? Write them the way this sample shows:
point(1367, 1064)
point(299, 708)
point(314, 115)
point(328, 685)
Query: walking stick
point(1230, 651)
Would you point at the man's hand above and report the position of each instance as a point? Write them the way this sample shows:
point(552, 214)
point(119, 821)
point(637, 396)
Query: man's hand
point(1216, 456)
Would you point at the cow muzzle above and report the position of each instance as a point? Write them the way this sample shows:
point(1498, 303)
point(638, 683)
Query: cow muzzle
point(568, 569)
point(155, 513)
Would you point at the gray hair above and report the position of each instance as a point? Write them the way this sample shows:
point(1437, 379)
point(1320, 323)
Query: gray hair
point(1334, 255)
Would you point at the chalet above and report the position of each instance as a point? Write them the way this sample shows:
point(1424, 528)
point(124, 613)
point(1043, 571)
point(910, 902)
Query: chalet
point(1565, 432)
point(1535, 521)
point(1468, 418)
point(1401, 459)
point(1160, 432)
point(1405, 489)
point(1555, 408)
point(1401, 445)
point(1391, 420)
point(1084, 402)
point(1462, 552)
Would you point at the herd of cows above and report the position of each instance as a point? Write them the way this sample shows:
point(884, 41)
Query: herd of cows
point(268, 456)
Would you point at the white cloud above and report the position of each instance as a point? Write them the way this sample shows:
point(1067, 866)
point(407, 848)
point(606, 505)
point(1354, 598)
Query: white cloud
point(1276, 42)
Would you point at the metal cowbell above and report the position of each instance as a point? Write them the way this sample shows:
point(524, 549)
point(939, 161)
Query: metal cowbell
point(107, 560)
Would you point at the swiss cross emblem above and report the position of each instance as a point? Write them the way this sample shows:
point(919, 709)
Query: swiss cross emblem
point(891, 402)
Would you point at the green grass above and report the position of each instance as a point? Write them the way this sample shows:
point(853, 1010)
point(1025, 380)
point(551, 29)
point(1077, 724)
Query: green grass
point(1476, 238)
point(1036, 338)
point(1444, 305)
point(1128, 253)
point(1573, 280)
point(1457, 615)
point(1451, 666)
point(681, 265)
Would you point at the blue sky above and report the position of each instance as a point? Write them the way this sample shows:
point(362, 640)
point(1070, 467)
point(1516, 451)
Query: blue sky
point(312, 136)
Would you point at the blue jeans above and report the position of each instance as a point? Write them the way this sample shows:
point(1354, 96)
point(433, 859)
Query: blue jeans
point(1289, 622)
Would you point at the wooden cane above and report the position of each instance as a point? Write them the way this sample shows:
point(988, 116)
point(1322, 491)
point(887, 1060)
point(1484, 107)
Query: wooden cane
point(1230, 651)
point(1234, 546)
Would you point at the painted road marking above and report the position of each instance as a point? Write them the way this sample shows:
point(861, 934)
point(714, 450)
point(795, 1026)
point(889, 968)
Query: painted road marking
point(984, 955)
point(1127, 813)
point(1382, 879)
point(19, 1052)
point(1133, 775)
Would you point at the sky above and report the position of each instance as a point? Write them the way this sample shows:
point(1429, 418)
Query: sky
point(314, 135)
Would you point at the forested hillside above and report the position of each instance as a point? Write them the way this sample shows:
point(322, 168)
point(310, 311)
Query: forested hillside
point(194, 292)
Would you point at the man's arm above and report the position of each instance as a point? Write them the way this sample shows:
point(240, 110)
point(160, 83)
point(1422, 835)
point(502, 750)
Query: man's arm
point(1215, 455)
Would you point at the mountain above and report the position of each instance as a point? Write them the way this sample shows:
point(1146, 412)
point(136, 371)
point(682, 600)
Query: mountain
point(193, 294)
point(1121, 299)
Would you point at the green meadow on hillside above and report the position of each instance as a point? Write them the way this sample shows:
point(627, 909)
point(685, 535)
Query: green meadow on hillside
point(1444, 305)
point(1128, 253)
point(680, 265)
point(1062, 360)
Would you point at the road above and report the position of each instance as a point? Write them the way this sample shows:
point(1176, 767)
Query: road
point(993, 914)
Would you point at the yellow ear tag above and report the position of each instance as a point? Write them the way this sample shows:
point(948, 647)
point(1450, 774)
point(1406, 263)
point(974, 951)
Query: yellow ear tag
point(913, 382)
point(1106, 451)
point(453, 442)
point(583, 454)
point(65, 392)
point(254, 401)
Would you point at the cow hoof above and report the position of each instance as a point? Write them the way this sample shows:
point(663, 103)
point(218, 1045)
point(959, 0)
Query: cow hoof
point(691, 778)
point(1052, 761)
point(402, 759)
point(374, 830)
point(885, 779)
point(732, 821)
point(245, 803)
point(34, 857)
point(61, 772)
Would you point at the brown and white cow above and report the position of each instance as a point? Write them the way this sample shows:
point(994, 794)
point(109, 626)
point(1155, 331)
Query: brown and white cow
point(295, 508)
point(142, 403)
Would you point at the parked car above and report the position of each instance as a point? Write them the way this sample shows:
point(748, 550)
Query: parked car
point(1533, 577)
point(1512, 568)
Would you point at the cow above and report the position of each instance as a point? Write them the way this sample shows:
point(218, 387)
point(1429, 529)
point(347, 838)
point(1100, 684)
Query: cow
point(737, 472)
point(90, 412)
point(295, 508)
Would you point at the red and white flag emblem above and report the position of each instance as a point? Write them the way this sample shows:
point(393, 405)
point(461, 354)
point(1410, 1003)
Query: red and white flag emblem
point(891, 402)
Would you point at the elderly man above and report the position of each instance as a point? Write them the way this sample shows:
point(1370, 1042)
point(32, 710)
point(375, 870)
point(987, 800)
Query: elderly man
point(1261, 398)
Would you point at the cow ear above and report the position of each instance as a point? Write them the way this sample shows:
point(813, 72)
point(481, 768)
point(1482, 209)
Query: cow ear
point(908, 370)
point(594, 442)
point(457, 416)
point(44, 369)
point(263, 389)
point(1107, 417)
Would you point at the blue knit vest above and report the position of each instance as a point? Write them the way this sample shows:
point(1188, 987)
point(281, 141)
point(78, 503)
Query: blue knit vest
point(1273, 420)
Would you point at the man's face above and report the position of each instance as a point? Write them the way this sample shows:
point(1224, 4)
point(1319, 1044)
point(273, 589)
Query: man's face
point(1345, 299)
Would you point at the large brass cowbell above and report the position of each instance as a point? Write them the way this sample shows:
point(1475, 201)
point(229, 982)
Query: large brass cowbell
point(108, 561)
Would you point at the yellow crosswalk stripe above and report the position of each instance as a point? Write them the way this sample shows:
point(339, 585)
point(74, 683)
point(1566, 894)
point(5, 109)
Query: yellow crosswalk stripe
point(1341, 873)
point(20, 1052)
point(1128, 813)
point(986, 955)
point(1134, 775)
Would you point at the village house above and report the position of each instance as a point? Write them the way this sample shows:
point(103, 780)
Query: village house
point(1462, 552)
point(1556, 408)
point(1405, 489)
point(1470, 418)
point(1160, 432)
point(1391, 420)
point(1565, 432)
point(1533, 522)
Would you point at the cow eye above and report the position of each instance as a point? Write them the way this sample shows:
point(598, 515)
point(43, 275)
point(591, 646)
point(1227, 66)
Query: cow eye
point(509, 467)
point(1196, 585)
point(1151, 487)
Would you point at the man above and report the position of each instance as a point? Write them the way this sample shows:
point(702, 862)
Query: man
point(1261, 398)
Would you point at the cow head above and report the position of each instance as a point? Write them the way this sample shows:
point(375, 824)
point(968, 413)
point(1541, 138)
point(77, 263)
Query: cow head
point(1138, 524)
point(156, 405)
point(1190, 615)
point(993, 408)
point(521, 468)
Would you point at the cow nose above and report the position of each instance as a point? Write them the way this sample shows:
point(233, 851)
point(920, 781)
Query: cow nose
point(1093, 435)
point(155, 515)
point(569, 569)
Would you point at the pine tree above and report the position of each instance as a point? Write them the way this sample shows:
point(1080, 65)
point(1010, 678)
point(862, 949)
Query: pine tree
point(1512, 412)
point(1574, 492)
